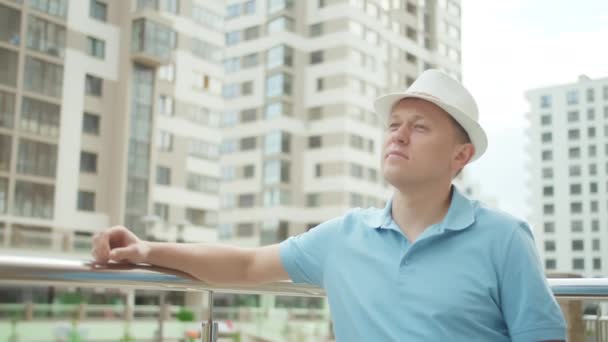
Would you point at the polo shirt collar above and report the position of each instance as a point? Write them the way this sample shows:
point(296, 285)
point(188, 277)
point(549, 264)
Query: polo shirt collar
point(460, 215)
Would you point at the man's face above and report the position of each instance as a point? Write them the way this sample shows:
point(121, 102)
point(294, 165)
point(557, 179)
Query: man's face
point(421, 144)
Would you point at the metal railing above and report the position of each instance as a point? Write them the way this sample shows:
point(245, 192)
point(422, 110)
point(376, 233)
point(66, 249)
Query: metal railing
point(26, 270)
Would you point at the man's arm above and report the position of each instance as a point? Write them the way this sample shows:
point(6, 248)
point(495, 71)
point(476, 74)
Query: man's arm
point(212, 263)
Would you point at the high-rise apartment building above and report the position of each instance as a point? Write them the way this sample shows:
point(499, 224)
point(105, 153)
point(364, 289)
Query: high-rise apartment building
point(301, 143)
point(568, 175)
point(109, 114)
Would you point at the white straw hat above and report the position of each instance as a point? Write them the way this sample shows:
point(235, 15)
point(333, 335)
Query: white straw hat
point(450, 95)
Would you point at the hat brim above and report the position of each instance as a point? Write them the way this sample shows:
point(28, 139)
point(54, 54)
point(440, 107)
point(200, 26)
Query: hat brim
point(384, 104)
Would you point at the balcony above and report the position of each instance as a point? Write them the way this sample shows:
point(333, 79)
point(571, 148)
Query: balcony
point(152, 42)
point(164, 319)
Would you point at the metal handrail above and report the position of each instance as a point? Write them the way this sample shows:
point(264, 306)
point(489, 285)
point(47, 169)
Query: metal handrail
point(31, 270)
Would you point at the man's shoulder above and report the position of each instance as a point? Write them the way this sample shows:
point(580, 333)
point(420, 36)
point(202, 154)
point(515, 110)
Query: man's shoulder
point(497, 220)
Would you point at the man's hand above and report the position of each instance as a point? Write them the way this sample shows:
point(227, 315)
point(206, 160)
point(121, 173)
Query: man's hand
point(120, 245)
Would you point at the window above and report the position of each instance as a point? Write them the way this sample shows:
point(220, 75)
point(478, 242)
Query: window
point(164, 141)
point(595, 244)
point(11, 25)
point(574, 152)
point(277, 142)
point(592, 169)
point(313, 200)
point(316, 30)
point(597, 263)
point(200, 217)
point(247, 144)
point(318, 170)
point(280, 24)
point(98, 10)
point(3, 195)
point(40, 76)
point(548, 209)
point(88, 162)
point(166, 72)
point(320, 84)
point(34, 200)
point(548, 191)
point(545, 101)
point(228, 173)
point(153, 39)
point(592, 150)
point(207, 51)
point(247, 88)
point(550, 264)
point(201, 183)
point(549, 245)
point(170, 6)
point(38, 117)
point(244, 230)
point(595, 225)
point(576, 226)
point(314, 141)
point(276, 109)
point(574, 170)
point(251, 33)
point(201, 149)
point(249, 7)
point(276, 171)
point(572, 97)
point(546, 137)
point(280, 55)
point(248, 171)
point(576, 207)
point(590, 95)
point(207, 18)
point(574, 134)
point(547, 173)
point(549, 227)
point(7, 109)
point(96, 47)
point(233, 38)
point(90, 123)
point(250, 60)
point(246, 200)
point(93, 85)
point(45, 36)
point(275, 197)
point(57, 8)
point(545, 120)
point(590, 114)
point(316, 57)
point(249, 115)
point(163, 175)
point(162, 210)
point(594, 206)
point(356, 171)
point(573, 116)
point(165, 105)
point(593, 187)
point(356, 200)
point(6, 145)
point(575, 189)
point(278, 85)
point(578, 263)
point(86, 201)
point(233, 11)
point(577, 245)
point(36, 158)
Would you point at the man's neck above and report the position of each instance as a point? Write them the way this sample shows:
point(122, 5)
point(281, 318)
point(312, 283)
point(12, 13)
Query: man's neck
point(415, 209)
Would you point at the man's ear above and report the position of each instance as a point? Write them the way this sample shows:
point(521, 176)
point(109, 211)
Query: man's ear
point(464, 154)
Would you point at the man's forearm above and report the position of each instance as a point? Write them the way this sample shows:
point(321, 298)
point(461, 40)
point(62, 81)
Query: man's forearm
point(212, 263)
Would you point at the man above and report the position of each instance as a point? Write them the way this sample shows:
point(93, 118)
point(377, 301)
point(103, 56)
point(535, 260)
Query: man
point(431, 266)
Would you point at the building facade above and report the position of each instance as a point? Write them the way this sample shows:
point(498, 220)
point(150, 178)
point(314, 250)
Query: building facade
point(568, 147)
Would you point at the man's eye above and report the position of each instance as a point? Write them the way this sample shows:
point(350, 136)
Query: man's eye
point(420, 127)
point(393, 126)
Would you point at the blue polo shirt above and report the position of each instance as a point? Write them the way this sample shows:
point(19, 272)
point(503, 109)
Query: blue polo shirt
point(475, 276)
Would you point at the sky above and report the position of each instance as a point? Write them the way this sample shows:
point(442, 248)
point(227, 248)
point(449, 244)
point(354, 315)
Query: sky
point(508, 47)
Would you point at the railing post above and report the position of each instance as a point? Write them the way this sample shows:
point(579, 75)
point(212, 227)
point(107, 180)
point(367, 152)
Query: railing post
point(209, 329)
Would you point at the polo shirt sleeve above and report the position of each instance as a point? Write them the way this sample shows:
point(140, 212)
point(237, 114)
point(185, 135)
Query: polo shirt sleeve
point(529, 308)
point(304, 256)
